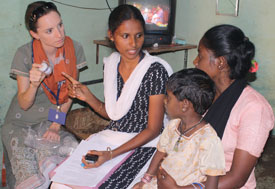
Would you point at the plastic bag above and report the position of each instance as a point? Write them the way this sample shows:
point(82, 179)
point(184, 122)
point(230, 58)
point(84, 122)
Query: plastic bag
point(34, 139)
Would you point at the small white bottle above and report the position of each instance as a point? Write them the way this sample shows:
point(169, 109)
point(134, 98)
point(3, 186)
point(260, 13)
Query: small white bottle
point(46, 68)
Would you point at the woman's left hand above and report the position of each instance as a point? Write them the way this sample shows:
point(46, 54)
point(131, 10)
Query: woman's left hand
point(165, 180)
point(103, 156)
point(52, 134)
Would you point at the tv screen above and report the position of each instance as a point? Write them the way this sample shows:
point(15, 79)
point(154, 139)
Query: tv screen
point(159, 16)
point(156, 14)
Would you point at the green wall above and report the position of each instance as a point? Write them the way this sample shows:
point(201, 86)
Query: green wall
point(193, 18)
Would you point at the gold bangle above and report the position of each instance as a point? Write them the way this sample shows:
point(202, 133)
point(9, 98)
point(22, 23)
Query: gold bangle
point(111, 152)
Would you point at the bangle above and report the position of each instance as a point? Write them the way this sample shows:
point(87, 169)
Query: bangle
point(111, 152)
point(194, 185)
point(144, 180)
point(199, 184)
point(147, 178)
point(202, 184)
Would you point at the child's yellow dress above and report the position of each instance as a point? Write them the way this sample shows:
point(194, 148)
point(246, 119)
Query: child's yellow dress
point(199, 155)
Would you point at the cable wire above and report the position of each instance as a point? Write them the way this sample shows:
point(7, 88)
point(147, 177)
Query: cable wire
point(108, 5)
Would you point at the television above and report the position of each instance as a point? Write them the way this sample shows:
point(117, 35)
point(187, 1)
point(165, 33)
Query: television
point(159, 16)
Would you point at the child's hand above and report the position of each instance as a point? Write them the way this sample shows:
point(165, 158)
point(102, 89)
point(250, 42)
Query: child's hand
point(165, 180)
point(103, 156)
point(138, 185)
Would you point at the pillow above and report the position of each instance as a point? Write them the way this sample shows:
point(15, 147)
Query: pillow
point(83, 122)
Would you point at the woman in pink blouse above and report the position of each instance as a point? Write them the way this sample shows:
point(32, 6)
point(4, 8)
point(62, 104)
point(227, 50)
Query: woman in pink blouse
point(241, 116)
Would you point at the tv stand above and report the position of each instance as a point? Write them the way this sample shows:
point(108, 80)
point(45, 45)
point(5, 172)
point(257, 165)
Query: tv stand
point(152, 50)
point(149, 40)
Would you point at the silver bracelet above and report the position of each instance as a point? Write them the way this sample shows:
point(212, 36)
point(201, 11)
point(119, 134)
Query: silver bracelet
point(111, 152)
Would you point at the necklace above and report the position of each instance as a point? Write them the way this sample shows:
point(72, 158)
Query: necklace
point(184, 132)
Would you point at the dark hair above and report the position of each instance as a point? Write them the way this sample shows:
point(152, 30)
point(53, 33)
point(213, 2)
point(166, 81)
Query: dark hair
point(36, 10)
point(122, 13)
point(194, 85)
point(230, 42)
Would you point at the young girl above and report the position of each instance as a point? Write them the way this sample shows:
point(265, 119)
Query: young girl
point(189, 149)
point(134, 90)
point(37, 96)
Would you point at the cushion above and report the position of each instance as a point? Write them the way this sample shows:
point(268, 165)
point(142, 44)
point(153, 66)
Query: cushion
point(83, 122)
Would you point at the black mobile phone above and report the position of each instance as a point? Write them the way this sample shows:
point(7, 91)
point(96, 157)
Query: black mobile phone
point(91, 158)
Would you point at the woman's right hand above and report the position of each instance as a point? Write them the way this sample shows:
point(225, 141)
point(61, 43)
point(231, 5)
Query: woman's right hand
point(76, 89)
point(36, 76)
point(103, 156)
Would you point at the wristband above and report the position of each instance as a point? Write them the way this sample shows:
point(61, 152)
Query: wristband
point(144, 180)
point(111, 152)
point(147, 178)
point(198, 184)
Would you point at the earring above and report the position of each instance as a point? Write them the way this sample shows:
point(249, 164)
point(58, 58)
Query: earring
point(220, 65)
point(183, 109)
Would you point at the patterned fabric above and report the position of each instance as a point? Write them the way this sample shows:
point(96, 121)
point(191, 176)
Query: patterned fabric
point(198, 155)
point(136, 119)
point(30, 159)
point(117, 107)
point(126, 173)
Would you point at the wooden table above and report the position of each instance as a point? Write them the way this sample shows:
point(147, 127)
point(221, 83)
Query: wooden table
point(152, 50)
